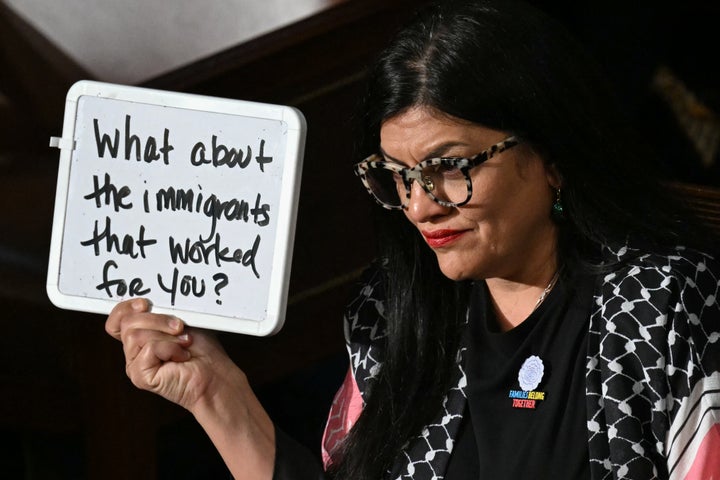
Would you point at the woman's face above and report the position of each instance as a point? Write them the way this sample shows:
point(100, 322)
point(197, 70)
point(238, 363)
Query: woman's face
point(505, 230)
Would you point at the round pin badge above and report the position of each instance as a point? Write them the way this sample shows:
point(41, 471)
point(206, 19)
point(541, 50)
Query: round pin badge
point(531, 373)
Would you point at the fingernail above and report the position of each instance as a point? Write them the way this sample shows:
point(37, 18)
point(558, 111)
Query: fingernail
point(184, 337)
point(175, 323)
point(138, 305)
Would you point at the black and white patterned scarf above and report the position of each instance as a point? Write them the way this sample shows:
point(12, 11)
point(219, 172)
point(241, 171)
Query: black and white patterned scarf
point(653, 337)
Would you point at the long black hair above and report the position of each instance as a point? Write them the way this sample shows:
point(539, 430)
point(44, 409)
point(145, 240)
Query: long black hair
point(507, 66)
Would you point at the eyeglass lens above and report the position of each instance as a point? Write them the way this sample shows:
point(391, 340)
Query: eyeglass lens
point(445, 183)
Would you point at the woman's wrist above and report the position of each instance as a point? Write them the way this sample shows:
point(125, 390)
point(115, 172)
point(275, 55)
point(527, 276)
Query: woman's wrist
point(238, 425)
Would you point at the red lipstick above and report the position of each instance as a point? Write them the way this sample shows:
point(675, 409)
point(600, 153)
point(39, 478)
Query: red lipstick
point(441, 238)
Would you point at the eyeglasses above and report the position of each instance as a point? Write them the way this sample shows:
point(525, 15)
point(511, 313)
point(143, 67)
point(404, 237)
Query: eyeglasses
point(445, 180)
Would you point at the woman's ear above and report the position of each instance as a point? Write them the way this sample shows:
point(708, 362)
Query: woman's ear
point(553, 176)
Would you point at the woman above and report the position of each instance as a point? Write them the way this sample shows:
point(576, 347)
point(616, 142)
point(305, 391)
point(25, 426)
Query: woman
point(531, 312)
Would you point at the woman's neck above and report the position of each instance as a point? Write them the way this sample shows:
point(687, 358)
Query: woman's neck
point(514, 300)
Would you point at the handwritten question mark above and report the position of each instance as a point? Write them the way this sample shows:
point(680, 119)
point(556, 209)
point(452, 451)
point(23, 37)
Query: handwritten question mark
point(222, 281)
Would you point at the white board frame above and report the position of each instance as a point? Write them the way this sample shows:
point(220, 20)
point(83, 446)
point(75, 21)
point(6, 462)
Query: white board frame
point(286, 210)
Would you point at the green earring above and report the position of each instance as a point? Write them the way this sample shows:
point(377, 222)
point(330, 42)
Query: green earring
point(558, 213)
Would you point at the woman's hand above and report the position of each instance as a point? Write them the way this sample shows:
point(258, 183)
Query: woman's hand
point(164, 357)
point(189, 367)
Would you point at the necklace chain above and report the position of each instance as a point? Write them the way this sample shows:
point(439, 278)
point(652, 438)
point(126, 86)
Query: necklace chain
point(547, 290)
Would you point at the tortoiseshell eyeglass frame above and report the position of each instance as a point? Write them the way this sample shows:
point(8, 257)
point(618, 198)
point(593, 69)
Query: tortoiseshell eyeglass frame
point(375, 161)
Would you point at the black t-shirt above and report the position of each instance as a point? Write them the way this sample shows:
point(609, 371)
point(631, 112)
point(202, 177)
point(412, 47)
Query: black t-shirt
point(526, 414)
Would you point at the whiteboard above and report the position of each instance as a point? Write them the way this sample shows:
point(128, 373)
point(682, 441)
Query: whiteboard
point(187, 200)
